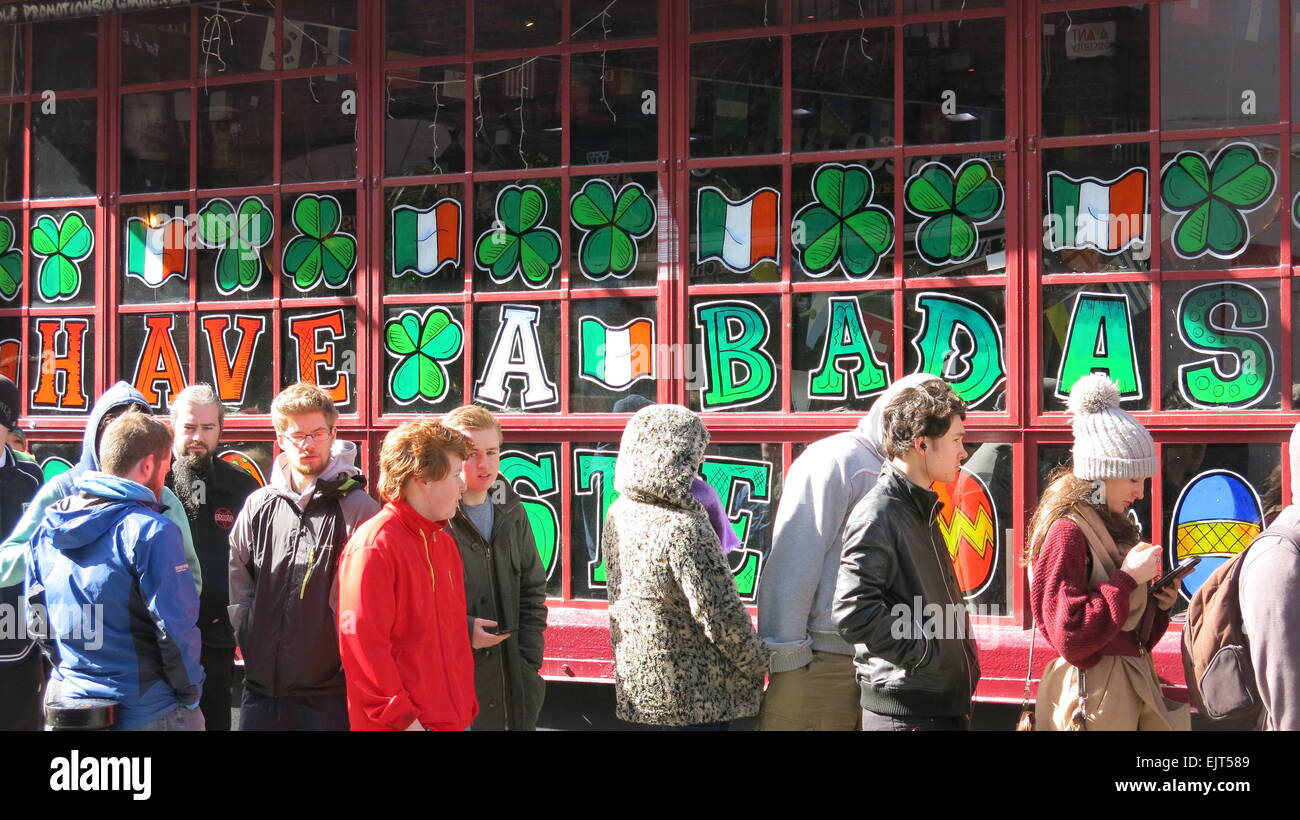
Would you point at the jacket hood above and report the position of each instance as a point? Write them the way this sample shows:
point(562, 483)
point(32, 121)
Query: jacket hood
point(342, 463)
point(102, 499)
point(660, 453)
point(116, 396)
point(871, 429)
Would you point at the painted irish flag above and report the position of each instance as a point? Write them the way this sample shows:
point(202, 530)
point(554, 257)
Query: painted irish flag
point(1107, 215)
point(615, 357)
point(424, 241)
point(740, 234)
point(155, 254)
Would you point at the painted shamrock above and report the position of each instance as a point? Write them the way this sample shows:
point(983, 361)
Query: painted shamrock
point(11, 261)
point(1213, 198)
point(238, 234)
point(952, 206)
point(517, 242)
point(322, 250)
point(63, 244)
point(842, 228)
point(611, 226)
point(421, 344)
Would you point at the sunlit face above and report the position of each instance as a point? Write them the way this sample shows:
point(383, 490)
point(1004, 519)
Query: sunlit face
point(1121, 493)
point(306, 442)
point(480, 470)
point(436, 500)
point(945, 453)
point(198, 429)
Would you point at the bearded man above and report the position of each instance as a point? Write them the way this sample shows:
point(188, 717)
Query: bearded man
point(212, 493)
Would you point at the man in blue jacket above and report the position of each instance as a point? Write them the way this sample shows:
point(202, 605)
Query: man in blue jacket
point(109, 592)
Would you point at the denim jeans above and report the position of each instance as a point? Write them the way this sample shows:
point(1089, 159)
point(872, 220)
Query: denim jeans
point(179, 719)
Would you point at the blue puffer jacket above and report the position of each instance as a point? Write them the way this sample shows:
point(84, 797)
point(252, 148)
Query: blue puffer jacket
point(110, 572)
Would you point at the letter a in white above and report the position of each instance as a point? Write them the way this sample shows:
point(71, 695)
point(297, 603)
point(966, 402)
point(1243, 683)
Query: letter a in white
point(516, 353)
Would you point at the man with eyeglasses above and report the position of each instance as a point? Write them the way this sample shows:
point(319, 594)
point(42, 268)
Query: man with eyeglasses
point(284, 552)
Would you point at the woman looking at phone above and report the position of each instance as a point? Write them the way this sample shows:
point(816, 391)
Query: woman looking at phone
point(1089, 578)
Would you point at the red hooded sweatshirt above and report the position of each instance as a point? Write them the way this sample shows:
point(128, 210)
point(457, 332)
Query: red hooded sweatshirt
point(402, 628)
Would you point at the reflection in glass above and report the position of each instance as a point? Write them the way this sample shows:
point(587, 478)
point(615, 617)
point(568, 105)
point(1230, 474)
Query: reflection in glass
point(1105, 327)
point(825, 11)
point(1081, 183)
point(156, 46)
point(318, 128)
point(236, 39)
point(1096, 72)
point(65, 55)
point(843, 90)
point(417, 28)
point(236, 135)
point(712, 15)
point(614, 99)
point(155, 141)
point(516, 23)
point(842, 350)
point(424, 126)
point(11, 157)
point(735, 98)
point(318, 32)
point(601, 19)
point(12, 45)
point(517, 114)
point(1218, 63)
point(64, 159)
point(954, 81)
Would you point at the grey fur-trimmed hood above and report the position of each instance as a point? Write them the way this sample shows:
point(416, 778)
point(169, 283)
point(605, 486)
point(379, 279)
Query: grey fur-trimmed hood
point(661, 450)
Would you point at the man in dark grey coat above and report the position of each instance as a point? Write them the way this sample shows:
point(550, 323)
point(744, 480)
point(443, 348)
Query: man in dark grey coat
point(505, 588)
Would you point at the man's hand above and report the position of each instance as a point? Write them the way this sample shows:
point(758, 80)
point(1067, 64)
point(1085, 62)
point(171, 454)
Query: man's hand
point(481, 638)
point(1166, 597)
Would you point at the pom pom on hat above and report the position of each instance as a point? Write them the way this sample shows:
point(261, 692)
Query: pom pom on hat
point(1108, 442)
point(1094, 393)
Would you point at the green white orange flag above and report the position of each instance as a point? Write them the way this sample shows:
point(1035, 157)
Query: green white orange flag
point(425, 240)
point(1106, 215)
point(739, 233)
point(156, 254)
point(615, 357)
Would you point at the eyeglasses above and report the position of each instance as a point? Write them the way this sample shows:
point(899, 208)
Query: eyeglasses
point(301, 439)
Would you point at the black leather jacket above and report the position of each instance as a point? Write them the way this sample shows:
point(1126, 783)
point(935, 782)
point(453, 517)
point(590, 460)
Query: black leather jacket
point(912, 661)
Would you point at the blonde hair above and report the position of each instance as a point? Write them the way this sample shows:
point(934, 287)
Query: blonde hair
point(298, 399)
point(418, 449)
point(472, 417)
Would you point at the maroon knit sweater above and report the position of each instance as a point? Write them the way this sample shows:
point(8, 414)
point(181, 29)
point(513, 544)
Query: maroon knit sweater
point(1083, 624)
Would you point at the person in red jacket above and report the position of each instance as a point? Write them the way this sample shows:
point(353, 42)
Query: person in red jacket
point(402, 635)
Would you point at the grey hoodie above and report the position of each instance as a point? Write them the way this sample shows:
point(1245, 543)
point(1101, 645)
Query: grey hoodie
point(824, 483)
point(1269, 593)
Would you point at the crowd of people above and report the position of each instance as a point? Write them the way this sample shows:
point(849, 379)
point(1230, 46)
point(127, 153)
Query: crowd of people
point(143, 568)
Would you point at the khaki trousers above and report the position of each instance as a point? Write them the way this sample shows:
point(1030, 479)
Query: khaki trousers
point(822, 696)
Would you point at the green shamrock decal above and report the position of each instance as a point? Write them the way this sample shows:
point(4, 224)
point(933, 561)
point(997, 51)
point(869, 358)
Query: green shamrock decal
point(516, 241)
point(1213, 198)
point(1295, 210)
point(239, 234)
point(63, 244)
point(842, 228)
point(322, 250)
point(421, 344)
point(952, 205)
point(611, 226)
point(11, 261)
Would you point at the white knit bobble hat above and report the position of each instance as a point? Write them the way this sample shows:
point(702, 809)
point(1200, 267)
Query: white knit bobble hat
point(1108, 442)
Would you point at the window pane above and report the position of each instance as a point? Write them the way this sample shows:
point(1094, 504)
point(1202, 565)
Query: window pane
point(1100, 327)
point(65, 55)
point(424, 251)
point(983, 486)
point(236, 39)
point(1096, 72)
point(593, 491)
point(736, 98)
point(63, 248)
point(417, 28)
point(959, 334)
point(518, 239)
point(738, 354)
point(952, 233)
point(61, 364)
point(534, 472)
point(1234, 224)
point(12, 245)
point(517, 106)
point(11, 157)
point(601, 19)
point(954, 81)
point(517, 356)
point(319, 128)
point(12, 63)
point(609, 251)
point(614, 99)
point(236, 135)
point(424, 130)
point(155, 255)
point(424, 358)
point(842, 224)
point(842, 350)
point(253, 457)
point(613, 355)
point(64, 156)
point(235, 358)
point(1096, 209)
point(156, 46)
point(922, 6)
point(235, 248)
point(516, 23)
point(55, 456)
point(11, 348)
point(320, 347)
point(1218, 63)
point(319, 235)
point(319, 32)
point(736, 234)
point(154, 355)
point(712, 15)
point(825, 11)
point(1222, 345)
point(155, 141)
point(843, 90)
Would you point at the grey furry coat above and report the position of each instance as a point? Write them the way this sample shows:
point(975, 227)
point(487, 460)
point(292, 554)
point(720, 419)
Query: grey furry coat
point(685, 651)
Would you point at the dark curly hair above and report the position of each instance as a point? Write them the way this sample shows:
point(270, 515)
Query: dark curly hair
point(924, 410)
